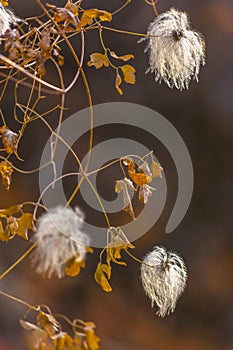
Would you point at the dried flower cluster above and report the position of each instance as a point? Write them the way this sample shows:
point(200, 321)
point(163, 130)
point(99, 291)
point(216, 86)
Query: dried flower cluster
point(60, 239)
point(164, 279)
point(7, 19)
point(176, 52)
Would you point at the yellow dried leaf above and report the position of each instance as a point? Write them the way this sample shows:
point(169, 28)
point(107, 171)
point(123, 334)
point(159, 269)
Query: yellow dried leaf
point(129, 74)
point(25, 223)
point(48, 322)
point(101, 272)
point(4, 234)
point(118, 83)
point(113, 254)
point(62, 341)
point(4, 2)
point(89, 15)
point(6, 171)
point(73, 267)
point(98, 60)
point(5, 213)
point(129, 163)
point(89, 250)
point(117, 241)
point(92, 340)
point(139, 178)
point(122, 58)
point(156, 169)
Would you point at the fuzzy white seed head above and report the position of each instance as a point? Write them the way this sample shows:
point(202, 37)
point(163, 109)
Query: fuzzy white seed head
point(60, 238)
point(176, 52)
point(7, 18)
point(164, 277)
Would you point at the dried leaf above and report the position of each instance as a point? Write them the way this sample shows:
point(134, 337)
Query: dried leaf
point(129, 163)
point(25, 223)
point(102, 275)
point(122, 58)
point(144, 167)
point(28, 326)
point(118, 83)
point(139, 178)
point(45, 44)
point(19, 226)
point(91, 339)
point(64, 14)
point(6, 171)
point(62, 341)
point(12, 44)
point(60, 59)
point(144, 193)
point(72, 7)
point(73, 267)
point(9, 139)
point(89, 15)
point(48, 322)
point(98, 60)
point(4, 2)
point(116, 242)
point(39, 336)
point(156, 169)
point(5, 213)
point(129, 74)
point(126, 186)
point(113, 254)
point(4, 235)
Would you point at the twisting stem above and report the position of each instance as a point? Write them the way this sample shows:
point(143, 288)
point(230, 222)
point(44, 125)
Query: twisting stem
point(85, 82)
point(153, 4)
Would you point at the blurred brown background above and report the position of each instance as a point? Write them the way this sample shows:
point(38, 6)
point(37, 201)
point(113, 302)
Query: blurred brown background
point(203, 116)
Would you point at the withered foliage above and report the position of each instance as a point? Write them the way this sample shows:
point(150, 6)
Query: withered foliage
point(31, 50)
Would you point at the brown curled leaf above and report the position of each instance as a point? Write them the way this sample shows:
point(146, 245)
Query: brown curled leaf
point(6, 171)
point(9, 139)
point(89, 15)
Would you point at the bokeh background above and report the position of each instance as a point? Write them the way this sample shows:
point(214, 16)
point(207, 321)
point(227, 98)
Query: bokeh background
point(203, 116)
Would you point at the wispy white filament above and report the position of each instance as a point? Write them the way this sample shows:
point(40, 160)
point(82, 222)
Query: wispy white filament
point(164, 277)
point(176, 52)
point(7, 18)
point(60, 238)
